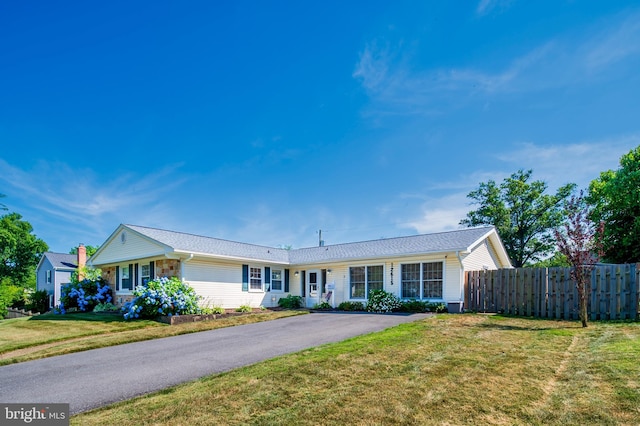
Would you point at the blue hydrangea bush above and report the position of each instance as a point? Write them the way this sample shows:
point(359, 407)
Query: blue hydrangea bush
point(84, 295)
point(162, 296)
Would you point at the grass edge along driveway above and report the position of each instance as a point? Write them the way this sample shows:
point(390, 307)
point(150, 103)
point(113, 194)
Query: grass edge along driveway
point(455, 369)
point(25, 339)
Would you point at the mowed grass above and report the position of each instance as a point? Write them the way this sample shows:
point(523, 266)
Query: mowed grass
point(25, 339)
point(451, 369)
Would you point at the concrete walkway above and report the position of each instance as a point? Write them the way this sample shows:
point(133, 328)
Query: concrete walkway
point(98, 377)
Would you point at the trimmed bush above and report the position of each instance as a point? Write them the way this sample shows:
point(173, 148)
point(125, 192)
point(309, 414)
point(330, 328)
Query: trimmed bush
point(244, 308)
point(106, 307)
point(290, 302)
point(382, 301)
point(164, 296)
point(438, 307)
point(84, 295)
point(351, 306)
point(322, 306)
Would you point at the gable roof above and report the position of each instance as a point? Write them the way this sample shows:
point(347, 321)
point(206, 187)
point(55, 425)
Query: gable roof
point(179, 243)
point(61, 260)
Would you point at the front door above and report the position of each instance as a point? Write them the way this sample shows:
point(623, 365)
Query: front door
point(313, 288)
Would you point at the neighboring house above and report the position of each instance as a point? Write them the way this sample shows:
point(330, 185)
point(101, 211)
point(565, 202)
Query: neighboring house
point(54, 270)
point(229, 274)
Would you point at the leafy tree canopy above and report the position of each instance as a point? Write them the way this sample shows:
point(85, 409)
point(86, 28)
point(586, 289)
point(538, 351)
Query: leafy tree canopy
point(522, 213)
point(615, 198)
point(20, 249)
point(90, 250)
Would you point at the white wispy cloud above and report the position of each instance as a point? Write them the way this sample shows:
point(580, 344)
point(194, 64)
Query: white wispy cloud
point(487, 6)
point(78, 203)
point(396, 86)
point(556, 164)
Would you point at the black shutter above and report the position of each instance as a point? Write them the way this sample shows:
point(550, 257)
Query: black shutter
point(323, 283)
point(267, 278)
point(303, 283)
point(152, 270)
point(117, 278)
point(286, 281)
point(245, 277)
point(135, 281)
point(131, 276)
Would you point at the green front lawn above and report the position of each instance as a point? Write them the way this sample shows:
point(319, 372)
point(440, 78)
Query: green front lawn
point(452, 369)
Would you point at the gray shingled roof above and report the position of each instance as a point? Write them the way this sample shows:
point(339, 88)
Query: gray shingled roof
point(62, 260)
point(390, 247)
point(179, 241)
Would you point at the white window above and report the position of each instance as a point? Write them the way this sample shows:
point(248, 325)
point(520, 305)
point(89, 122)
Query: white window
point(126, 280)
point(49, 276)
point(145, 274)
point(422, 280)
point(276, 280)
point(364, 279)
point(255, 279)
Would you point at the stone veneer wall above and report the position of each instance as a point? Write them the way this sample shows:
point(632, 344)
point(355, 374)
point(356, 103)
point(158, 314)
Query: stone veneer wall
point(109, 274)
point(167, 268)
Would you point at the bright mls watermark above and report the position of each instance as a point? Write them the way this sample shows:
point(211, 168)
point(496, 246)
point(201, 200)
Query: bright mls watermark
point(34, 414)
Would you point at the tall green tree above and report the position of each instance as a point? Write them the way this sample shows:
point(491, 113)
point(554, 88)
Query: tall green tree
point(615, 198)
point(20, 249)
point(90, 250)
point(523, 214)
point(2, 206)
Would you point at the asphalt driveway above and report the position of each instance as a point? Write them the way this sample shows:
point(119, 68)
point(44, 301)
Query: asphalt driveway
point(99, 377)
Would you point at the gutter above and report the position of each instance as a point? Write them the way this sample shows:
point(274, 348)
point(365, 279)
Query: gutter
point(461, 276)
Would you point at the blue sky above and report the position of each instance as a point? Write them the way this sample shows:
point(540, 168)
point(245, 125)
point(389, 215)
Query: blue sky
point(264, 122)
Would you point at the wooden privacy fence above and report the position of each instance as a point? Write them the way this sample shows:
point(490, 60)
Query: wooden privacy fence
point(551, 293)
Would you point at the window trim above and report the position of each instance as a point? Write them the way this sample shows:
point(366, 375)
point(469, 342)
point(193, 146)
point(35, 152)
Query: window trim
point(421, 280)
point(121, 277)
point(281, 280)
point(366, 280)
point(255, 290)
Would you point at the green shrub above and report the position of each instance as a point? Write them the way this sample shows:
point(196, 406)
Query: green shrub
point(9, 293)
point(290, 302)
point(382, 301)
point(39, 301)
point(163, 296)
point(106, 307)
point(414, 306)
point(351, 306)
point(437, 307)
point(244, 308)
point(322, 306)
point(218, 310)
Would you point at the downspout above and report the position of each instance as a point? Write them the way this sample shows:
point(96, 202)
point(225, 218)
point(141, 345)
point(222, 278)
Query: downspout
point(461, 279)
point(182, 265)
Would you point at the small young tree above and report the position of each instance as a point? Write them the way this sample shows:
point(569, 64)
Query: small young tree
point(578, 239)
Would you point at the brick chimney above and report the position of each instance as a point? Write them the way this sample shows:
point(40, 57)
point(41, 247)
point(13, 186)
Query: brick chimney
point(82, 261)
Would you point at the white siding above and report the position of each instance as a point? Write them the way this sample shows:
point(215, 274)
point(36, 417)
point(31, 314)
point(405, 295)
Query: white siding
point(133, 247)
point(220, 284)
point(452, 286)
point(482, 256)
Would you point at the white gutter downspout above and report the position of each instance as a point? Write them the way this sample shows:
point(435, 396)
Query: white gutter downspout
point(461, 278)
point(182, 265)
